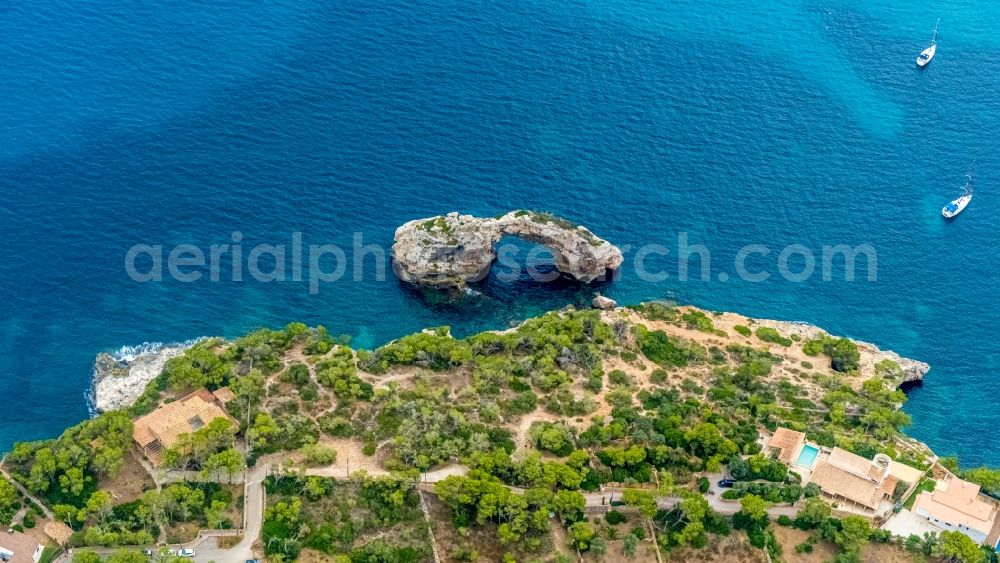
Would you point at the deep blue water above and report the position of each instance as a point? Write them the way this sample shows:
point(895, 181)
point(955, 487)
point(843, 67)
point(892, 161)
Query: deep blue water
point(785, 122)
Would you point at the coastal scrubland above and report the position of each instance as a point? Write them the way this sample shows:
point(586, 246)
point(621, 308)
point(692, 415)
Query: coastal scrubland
point(577, 432)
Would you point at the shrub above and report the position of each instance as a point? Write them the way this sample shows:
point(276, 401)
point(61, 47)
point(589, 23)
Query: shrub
point(316, 454)
point(699, 321)
point(659, 375)
point(843, 352)
point(744, 330)
point(784, 520)
point(464, 554)
point(768, 334)
point(297, 374)
point(659, 348)
point(703, 485)
point(618, 377)
point(844, 355)
point(594, 384)
point(757, 467)
point(435, 350)
point(658, 311)
point(813, 347)
point(614, 517)
point(524, 402)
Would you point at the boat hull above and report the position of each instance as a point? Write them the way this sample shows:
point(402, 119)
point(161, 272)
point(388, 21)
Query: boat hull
point(925, 56)
point(957, 206)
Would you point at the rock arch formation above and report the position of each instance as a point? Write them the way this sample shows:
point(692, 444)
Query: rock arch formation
point(448, 251)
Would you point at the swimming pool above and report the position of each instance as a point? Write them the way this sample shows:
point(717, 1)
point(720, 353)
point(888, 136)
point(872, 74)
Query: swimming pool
point(807, 457)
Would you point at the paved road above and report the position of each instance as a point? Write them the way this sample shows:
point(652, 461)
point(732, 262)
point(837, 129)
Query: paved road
point(730, 507)
point(253, 515)
point(208, 550)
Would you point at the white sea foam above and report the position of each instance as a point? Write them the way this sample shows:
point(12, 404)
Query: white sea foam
point(130, 353)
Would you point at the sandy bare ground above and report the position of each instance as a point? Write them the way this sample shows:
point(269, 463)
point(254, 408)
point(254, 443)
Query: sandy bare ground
point(130, 483)
point(826, 551)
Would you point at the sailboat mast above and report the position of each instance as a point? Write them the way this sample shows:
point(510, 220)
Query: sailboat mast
point(934, 38)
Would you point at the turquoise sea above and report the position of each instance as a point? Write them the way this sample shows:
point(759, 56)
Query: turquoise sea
point(775, 122)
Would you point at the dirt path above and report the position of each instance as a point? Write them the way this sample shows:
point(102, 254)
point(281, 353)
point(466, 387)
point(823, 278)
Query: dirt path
point(29, 496)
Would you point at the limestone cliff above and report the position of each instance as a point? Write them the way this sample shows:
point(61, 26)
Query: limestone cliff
point(451, 250)
point(121, 378)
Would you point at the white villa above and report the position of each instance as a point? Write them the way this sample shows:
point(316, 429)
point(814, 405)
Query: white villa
point(956, 505)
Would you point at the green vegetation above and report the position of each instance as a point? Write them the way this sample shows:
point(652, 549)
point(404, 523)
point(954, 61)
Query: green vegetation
point(480, 498)
point(49, 553)
point(210, 448)
point(698, 320)
point(668, 352)
point(768, 334)
point(843, 352)
point(744, 330)
point(752, 517)
point(435, 350)
point(438, 223)
point(9, 501)
point(926, 485)
point(101, 523)
point(365, 519)
point(462, 400)
point(771, 492)
point(960, 547)
point(757, 467)
point(657, 311)
point(688, 524)
point(66, 470)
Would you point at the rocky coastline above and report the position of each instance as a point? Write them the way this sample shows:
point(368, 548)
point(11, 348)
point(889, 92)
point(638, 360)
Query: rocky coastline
point(913, 370)
point(119, 379)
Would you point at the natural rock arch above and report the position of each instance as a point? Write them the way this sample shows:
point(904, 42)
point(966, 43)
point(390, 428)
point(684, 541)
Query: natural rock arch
point(452, 250)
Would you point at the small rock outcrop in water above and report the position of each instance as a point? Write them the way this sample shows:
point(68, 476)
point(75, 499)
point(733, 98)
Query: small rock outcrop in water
point(451, 250)
point(119, 381)
point(603, 303)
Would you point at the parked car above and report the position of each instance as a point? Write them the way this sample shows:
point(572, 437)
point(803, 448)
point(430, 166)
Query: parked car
point(186, 552)
point(252, 561)
point(148, 552)
point(727, 483)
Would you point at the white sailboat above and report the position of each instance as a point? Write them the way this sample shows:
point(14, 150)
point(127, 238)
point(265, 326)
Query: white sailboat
point(927, 54)
point(959, 204)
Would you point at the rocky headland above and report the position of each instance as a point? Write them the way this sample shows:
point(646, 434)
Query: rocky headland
point(913, 370)
point(120, 379)
point(449, 251)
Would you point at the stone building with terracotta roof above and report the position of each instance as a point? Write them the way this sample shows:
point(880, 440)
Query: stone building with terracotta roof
point(849, 478)
point(161, 429)
point(786, 444)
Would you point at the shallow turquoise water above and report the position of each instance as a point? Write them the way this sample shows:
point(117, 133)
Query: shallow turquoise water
point(776, 123)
